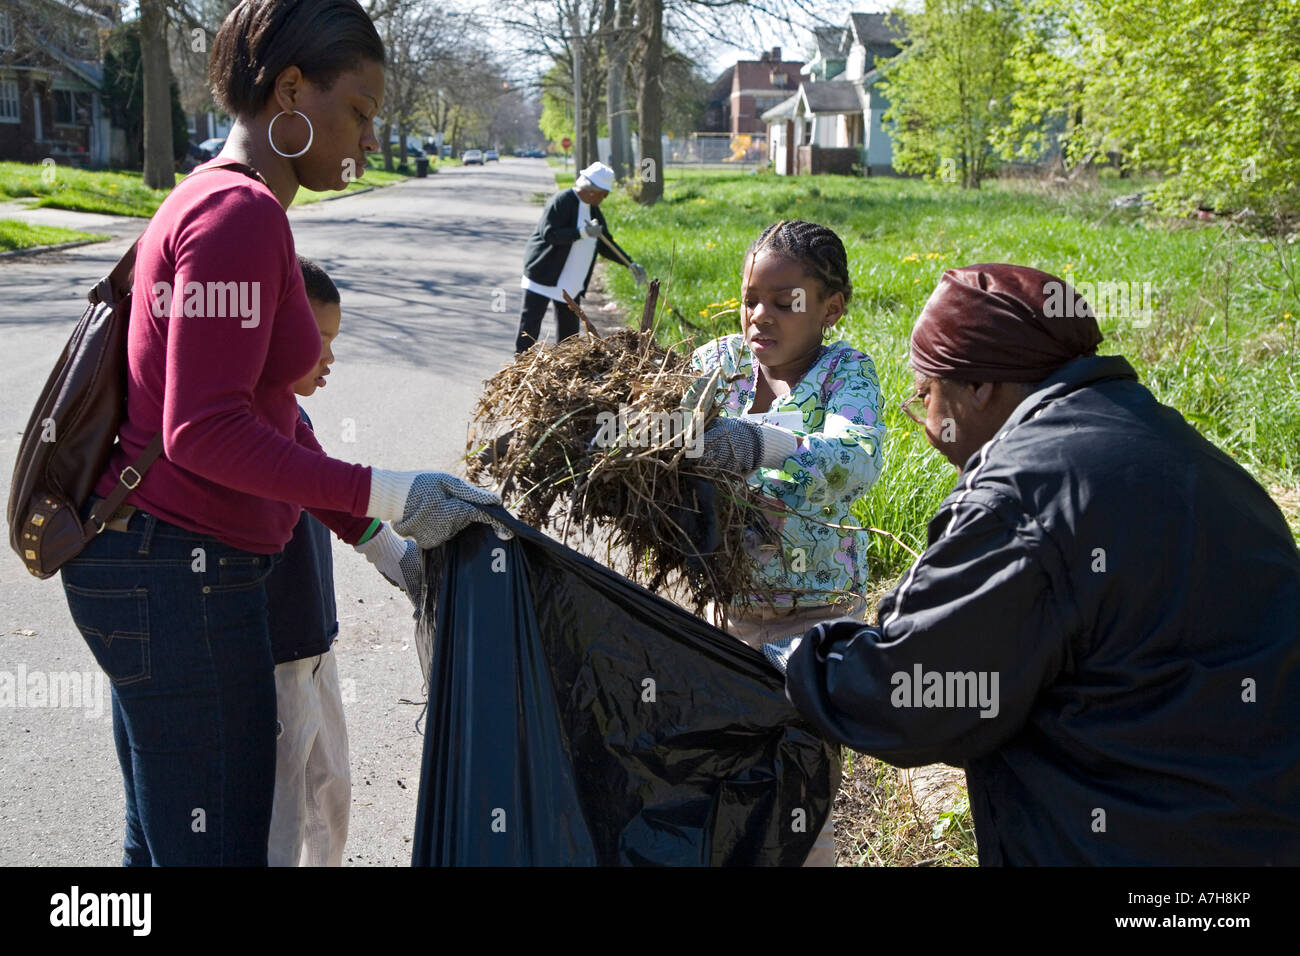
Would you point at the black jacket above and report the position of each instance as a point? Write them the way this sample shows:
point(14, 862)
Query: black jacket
point(1138, 595)
point(557, 230)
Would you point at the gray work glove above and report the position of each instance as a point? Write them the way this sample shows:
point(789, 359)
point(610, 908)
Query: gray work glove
point(638, 273)
point(591, 230)
point(742, 446)
point(733, 445)
point(399, 560)
point(429, 506)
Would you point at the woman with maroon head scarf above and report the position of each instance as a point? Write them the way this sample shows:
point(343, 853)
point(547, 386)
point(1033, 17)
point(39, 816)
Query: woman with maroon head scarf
point(986, 333)
point(1104, 629)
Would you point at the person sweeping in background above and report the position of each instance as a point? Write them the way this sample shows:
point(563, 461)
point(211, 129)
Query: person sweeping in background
point(803, 416)
point(561, 254)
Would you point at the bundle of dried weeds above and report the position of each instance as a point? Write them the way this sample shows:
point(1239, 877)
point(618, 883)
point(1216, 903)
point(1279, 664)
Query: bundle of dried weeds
point(581, 425)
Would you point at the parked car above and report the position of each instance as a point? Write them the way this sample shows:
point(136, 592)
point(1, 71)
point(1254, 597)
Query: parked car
point(414, 145)
point(446, 150)
point(472, 157)
point(212, 146)
point(491, 156)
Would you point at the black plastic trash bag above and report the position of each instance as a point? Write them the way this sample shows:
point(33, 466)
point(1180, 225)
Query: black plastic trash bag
point(575, 719)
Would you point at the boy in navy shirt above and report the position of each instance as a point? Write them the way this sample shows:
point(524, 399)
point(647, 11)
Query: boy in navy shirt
point(313, 784)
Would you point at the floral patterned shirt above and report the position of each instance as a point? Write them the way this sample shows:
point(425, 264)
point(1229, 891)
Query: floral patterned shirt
point(839, 458)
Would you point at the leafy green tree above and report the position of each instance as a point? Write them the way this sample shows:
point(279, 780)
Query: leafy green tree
point(1063, 91)
point(950, 88)
point(557, 105)
point(1204, 92)
point(1211, 94)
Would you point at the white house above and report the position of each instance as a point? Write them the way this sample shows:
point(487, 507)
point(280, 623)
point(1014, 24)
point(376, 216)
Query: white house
point(833, 121)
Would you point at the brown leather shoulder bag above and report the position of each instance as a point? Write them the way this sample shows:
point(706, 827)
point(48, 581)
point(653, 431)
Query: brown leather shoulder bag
point(73, 429)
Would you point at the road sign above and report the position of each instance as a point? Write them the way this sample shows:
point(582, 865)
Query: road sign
point(566, 142)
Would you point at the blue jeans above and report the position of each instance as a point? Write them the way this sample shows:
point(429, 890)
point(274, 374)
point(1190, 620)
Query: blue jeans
point(177, 621)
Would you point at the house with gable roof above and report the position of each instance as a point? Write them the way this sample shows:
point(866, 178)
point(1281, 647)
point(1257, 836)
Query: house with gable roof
point(833, 122)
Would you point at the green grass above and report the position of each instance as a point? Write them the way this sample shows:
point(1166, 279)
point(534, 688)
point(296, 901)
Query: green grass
point(21, 235)
point(123, 192)
point(879, 821)
point(118, 193)
point(1222, 347)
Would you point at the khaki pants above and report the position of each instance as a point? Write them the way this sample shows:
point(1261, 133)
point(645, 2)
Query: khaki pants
point(761, 625)
point(313, 779)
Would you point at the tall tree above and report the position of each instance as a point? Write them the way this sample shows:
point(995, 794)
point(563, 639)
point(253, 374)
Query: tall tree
point(617, 26)
point(1211, 98)
point(950, 87)
point(569, 34)
point(159, 167)
point(650, 102)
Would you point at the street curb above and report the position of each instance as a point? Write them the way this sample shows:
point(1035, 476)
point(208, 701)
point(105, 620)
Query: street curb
point(346, 194)
point(36, 250)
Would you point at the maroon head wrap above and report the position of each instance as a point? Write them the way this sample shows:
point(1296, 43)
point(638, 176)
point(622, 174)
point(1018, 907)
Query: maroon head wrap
point(1001, 323)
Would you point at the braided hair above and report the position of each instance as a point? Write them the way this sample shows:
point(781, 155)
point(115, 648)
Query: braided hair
point(815, 247)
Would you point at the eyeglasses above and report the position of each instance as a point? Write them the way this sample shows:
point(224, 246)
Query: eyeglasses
point(909, 405)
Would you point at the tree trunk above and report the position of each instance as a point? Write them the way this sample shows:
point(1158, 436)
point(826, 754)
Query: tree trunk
point(590, 142)
point(616, 54)
point(159, 167)
point(388, 149)
point(650, 103)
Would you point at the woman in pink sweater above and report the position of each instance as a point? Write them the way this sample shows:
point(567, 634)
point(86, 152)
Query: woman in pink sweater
point(170, 599)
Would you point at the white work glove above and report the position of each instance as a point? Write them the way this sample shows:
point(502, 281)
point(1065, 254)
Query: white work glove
point(430, 506)
point(742, 446)
point(638, 273)
point(399, 560)
point(591, 230)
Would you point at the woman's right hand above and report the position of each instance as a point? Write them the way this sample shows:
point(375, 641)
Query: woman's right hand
point(431, 507)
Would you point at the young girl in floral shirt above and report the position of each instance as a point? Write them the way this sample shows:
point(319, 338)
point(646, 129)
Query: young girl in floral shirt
point(804, 417)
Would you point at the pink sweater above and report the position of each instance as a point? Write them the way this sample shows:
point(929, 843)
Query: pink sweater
point(214, 368)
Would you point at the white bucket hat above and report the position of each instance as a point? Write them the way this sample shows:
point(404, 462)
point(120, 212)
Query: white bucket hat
point(598, 175)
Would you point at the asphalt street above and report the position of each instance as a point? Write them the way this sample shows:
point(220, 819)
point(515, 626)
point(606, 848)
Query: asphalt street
point(429, 276)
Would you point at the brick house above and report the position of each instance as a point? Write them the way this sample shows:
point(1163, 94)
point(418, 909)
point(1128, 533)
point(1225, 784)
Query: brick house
point(741, 94)
point(51, 75)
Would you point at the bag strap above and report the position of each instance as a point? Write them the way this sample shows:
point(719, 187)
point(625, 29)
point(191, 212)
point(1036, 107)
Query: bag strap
point(127, 481)
point(115, 285)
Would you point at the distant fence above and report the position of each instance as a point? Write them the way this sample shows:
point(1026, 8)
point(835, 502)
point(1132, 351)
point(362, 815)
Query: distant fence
point(706, 150)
